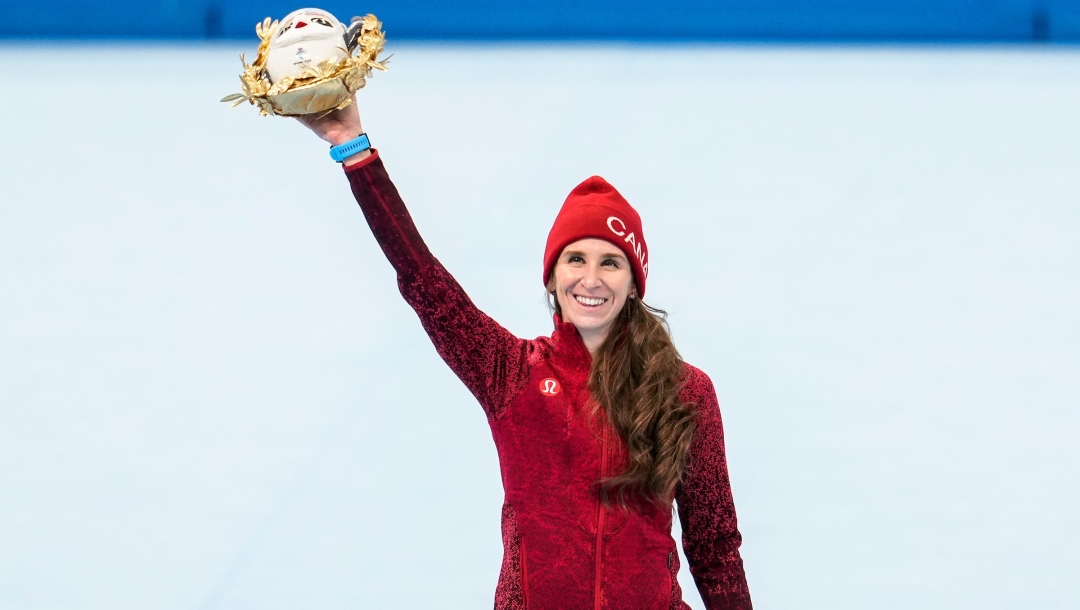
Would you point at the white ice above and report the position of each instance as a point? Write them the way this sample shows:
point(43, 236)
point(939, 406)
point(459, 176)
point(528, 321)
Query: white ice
point(212, 395)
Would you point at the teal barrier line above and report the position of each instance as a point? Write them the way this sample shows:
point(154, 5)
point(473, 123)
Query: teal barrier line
point(806, 20)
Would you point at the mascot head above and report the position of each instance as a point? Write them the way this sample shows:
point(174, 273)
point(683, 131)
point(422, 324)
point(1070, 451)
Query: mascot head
point(304, 38)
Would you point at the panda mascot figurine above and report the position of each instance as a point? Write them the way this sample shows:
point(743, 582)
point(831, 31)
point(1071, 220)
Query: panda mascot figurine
point(304, 38)
point(310, 62)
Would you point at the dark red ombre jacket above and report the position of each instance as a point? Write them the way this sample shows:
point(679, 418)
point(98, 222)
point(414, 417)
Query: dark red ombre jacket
point(562, 549)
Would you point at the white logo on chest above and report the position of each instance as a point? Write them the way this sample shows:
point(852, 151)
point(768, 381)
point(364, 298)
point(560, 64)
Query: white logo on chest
point(549, 387)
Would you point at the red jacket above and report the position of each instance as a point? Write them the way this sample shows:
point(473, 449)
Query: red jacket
point(562, 549)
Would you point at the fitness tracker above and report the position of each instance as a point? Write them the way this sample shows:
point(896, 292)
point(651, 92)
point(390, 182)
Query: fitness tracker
point(342, 151)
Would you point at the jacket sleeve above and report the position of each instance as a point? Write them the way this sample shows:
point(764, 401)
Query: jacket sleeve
point(711, 536)
point(491, 361)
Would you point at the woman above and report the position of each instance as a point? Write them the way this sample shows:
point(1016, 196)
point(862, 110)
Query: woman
point(598, 427)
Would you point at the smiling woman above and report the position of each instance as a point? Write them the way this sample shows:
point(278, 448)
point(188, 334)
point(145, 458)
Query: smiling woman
point(591, 282)
point(599, 427)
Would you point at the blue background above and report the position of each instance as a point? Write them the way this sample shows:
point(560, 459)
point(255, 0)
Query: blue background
point(815, 20)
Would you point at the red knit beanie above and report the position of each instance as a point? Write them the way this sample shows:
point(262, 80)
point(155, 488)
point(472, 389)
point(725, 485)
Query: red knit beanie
point(595, 209)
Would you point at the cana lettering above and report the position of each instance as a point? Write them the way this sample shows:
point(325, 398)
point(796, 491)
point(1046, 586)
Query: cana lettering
point(612, 219)
point(618, 227)
point(637, 247)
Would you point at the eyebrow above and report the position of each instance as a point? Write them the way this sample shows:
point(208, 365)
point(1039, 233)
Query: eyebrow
point(616, 254)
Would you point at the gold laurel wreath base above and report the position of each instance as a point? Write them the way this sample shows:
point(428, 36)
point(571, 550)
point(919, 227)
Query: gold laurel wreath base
point(326, 86)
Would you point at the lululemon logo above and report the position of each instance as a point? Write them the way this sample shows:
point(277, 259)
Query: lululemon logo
point(549, 387)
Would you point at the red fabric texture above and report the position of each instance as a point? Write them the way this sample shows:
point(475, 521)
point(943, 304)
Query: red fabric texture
point(595, 209)
point(361, 163)
point(564, 550)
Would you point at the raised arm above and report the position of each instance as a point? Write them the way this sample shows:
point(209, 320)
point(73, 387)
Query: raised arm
point(711, 536)
point(491, 362)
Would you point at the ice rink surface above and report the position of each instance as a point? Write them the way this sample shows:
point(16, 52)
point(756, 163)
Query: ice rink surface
point(212, 396)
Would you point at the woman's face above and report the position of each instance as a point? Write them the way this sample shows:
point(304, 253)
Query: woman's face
point(592, 280)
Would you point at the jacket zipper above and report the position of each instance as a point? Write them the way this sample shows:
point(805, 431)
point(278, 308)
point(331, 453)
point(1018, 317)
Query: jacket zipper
point(600, 523)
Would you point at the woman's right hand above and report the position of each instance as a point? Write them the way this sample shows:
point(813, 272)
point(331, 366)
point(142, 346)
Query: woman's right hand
point(337, 127)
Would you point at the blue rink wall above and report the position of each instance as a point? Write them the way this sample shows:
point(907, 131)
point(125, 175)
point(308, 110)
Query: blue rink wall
point(770, 20)
point(213, 397)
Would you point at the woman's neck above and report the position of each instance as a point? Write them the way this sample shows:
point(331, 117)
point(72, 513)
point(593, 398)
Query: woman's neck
point(593, 339)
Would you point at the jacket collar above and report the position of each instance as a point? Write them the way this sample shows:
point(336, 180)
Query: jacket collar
point(568, 344)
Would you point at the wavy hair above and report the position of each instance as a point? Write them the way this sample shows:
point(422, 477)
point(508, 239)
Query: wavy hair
point(636, 377)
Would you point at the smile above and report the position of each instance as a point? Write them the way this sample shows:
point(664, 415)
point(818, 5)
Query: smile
point(589, 301)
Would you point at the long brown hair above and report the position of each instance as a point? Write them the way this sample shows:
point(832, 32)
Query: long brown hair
point(636, 376)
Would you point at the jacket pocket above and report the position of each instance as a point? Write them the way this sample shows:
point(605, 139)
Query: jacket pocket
point(675, 594)
point(524, 577)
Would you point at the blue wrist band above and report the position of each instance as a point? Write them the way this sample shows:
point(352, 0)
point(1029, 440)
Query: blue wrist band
point(342, 151)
